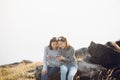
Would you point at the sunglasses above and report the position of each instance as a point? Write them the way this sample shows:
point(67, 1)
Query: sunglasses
point(61, 39)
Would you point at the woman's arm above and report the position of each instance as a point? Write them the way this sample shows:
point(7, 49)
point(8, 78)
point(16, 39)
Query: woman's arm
point(71, 55)
point(45, 59)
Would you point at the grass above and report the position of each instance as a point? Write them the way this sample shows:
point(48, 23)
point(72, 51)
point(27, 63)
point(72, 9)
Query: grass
point(21, 71)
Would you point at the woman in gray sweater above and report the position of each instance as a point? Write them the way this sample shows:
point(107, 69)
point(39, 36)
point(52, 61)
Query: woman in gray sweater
point(67, 58)
point(50, 63)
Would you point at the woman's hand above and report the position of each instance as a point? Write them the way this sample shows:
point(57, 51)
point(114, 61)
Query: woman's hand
point(44, 72)
point(60, 58)
point(48, 56)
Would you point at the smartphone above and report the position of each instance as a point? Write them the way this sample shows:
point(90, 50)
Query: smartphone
point(58, 56)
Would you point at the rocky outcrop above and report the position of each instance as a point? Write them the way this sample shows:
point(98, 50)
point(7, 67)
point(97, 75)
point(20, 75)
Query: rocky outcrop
point(104, 55)
point(94, 63)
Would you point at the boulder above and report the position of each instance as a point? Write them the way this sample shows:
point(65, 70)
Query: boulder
point(103, 55)
point(92, 74)
point(95, 63)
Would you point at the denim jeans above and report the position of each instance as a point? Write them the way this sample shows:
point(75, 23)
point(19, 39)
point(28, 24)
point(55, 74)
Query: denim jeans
point(52, 71)
point(71, 70)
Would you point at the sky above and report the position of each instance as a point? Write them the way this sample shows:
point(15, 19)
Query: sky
point(26, 26)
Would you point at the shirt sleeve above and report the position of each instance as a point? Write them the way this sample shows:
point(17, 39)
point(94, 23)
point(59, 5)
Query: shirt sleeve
point(45, 59)
point(71, 56)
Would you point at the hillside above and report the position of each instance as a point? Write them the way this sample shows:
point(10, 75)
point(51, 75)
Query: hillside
point(23, 70)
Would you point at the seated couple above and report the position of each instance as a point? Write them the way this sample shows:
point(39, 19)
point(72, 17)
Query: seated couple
point(59, 56)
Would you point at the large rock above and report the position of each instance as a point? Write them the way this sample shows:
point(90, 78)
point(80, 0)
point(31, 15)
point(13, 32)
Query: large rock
point(104, 55)
point(91, 66)
point(91, 75)
point(82, 53)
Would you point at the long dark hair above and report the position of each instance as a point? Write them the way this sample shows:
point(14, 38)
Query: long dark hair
point(54, 39)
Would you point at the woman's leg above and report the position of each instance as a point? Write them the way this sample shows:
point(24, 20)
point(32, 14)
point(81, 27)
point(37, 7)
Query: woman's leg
point(72, 72)
point(63, 70)
point(53, 71)
point(45, 76)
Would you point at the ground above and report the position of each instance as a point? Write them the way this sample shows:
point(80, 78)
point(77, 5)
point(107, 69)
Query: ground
point(18, 71)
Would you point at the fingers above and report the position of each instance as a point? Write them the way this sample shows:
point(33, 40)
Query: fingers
point(60, 58)
point(48, 56)
point(44, 72)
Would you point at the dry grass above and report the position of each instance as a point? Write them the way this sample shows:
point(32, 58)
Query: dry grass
point(21, 71)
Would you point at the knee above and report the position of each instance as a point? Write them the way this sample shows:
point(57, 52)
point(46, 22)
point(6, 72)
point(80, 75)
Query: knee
point(63, 69)
point(71, 75)
point(43, 76)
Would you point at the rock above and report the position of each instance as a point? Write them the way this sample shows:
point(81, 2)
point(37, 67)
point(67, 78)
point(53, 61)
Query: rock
point(99, 62)
point(38, 72)
point(103, 55)
point(82, 52)
point(79, 75)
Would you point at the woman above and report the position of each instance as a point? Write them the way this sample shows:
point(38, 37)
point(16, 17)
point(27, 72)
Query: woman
point(50, 64)
point(67, 58)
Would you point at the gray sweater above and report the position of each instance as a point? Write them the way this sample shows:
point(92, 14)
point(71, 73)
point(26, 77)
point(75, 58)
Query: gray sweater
point(69, 55)
point(52, 62)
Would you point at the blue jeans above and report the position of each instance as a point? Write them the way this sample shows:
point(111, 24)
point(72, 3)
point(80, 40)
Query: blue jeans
point(52, 71)
point(71, 70)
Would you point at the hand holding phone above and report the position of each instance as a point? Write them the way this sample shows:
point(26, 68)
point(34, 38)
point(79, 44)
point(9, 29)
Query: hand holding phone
point(59, 58)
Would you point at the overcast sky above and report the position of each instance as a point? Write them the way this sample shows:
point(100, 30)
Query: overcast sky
point(26, 26)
